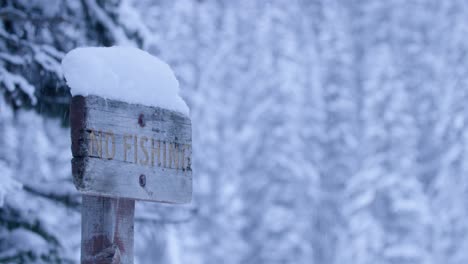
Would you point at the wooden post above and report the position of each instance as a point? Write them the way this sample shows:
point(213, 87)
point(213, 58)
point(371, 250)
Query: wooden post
point(124, 152)
point(107, 230)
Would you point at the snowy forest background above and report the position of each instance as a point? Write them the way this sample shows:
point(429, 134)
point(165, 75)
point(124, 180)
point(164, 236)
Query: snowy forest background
point(324, 131)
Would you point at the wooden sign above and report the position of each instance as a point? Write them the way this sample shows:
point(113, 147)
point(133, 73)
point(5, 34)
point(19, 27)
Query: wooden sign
point(125, 150)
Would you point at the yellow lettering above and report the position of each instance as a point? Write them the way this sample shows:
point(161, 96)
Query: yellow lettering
point(135, 144)
point(126, 146)
point(176, 156)
point(95, 143)
point(153, 150)
point(170, 155)
point(142, 145)
point(159, 153)
point(187, 158)
point(183, 156)
point(112, 137)
point(164, 154)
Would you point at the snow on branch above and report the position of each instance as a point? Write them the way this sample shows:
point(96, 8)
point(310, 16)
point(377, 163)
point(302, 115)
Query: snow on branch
point(16, 60)
point(49, 58)
point(45, 56)
point(8, 183)
point(13, 14)
point(117, 33)
point(13, 81)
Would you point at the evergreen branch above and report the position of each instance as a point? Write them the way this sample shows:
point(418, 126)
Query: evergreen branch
point(27, 256)
point(11, 219)
point(100, 17)
point(12, 14)
point(68, 200)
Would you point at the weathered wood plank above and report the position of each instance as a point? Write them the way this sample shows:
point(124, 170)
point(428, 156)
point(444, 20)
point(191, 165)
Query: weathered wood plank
point(107, 230)
point(96, 177)
point(114, 143)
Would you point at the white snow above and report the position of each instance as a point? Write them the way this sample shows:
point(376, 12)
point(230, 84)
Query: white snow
point(123, 73)
point(8, 183)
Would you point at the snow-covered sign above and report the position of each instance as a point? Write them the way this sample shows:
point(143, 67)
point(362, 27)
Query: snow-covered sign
point(131, 140)
point(131, 136)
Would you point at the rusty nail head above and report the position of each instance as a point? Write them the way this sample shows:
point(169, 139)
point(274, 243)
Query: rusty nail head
point(141, 120)
point(142, 180)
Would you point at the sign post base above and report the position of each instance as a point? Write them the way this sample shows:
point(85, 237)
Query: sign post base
point(107, 230)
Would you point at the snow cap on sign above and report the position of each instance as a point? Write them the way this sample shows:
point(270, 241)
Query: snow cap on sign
point(123, 73)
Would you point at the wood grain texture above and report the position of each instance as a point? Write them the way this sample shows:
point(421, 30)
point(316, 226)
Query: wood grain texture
point(130, 150)
point(161, 185)
point(107, 230)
